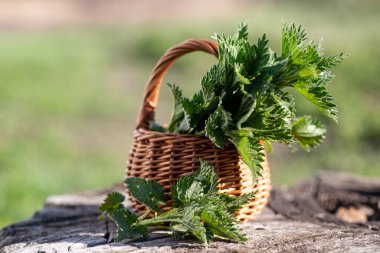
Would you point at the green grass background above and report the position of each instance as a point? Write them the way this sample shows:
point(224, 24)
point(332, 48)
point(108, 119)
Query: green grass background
point(69, 97)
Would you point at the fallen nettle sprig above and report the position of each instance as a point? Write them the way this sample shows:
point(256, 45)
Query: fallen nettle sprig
point(198, 209)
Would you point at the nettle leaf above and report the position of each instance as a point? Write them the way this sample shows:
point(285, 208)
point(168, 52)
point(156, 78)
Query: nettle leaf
point(178, 112)
point(318, 95)
point(146, 192)
point(186, 190)
point(253, 66)
point(246, 107)
point(274, 135)
point(195, 187)
point(262, 56)
point(195, 111)
point(219, 221)
point(206, 174)
point(308, 132)
point(328, 62)
point(251, 152)
point(217, 125)
point(292, 37)
point(242, 31)
point(113, 202)
point(126, 225)
point(232, 204)
point(272, 118)
point(193, 223)
point(211, 83)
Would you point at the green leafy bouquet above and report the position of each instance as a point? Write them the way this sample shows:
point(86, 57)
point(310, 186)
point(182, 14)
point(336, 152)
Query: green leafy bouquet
point(244, 100)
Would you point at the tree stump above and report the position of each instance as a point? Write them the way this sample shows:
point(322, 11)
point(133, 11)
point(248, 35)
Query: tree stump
point(332, 212)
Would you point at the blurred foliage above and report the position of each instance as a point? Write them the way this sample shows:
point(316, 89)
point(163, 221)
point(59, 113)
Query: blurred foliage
point(69, 98)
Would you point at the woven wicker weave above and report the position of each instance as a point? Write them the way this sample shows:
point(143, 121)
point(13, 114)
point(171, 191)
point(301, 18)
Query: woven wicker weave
point(164, 157)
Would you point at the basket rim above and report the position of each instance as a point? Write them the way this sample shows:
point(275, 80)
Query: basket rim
point(142, 134)
point(141, 131)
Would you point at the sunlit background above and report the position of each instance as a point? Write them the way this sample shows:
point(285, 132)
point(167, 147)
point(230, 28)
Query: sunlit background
point(72, 74)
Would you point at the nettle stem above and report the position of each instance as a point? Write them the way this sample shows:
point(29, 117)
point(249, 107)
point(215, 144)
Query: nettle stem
point(173, 215)
point(158, 220)
point(158, 228)
point(144, 214)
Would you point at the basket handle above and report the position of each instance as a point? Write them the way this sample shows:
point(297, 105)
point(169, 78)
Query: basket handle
point(152, 88)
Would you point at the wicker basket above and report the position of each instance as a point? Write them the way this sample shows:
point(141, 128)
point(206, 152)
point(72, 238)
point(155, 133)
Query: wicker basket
point(164, 157)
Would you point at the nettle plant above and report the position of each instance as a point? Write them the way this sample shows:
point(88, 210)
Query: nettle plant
point(244, 96)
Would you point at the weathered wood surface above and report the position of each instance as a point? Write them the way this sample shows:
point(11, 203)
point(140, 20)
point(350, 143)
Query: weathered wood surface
point(296, 220)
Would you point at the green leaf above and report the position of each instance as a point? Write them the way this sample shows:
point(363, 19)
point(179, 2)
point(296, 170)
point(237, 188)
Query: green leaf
point(206, 174)
point(254, 66)
point(186, 190)
point(232, 204)
point(246, 107)
point(292, 37)
point(194, 224)
point(178, 112)
point(113, 202)
point(211, 83)
point(126, 225)
point(195, 187)
point(251, 152)
point(217, 125)
point(277, 135)
point(328, 62)
point(195, 112)
point(221, 223)
point(261, 56)
point(147, 192)
point(319, 96)
point(242, 31)
point(308, 132)
point(267, 145)
point(271, 119)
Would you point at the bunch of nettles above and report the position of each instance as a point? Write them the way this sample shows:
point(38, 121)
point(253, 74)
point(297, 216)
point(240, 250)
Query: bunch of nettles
point(198, 209)
point(244, 100)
